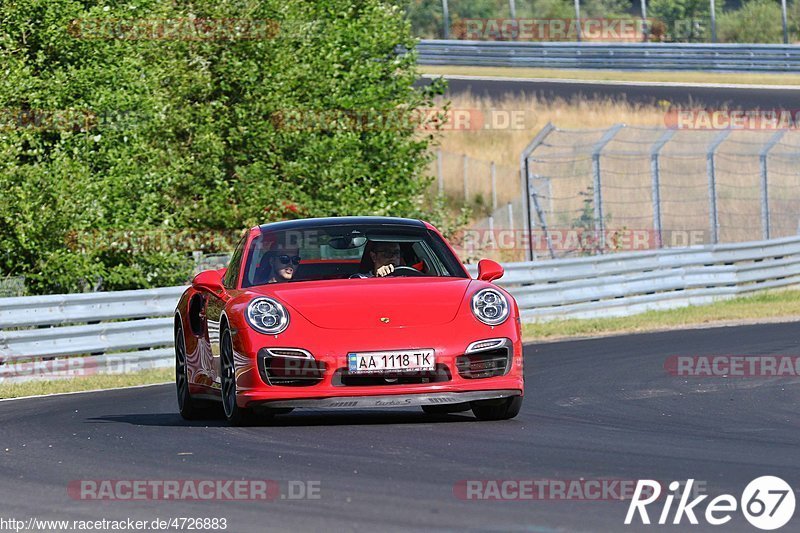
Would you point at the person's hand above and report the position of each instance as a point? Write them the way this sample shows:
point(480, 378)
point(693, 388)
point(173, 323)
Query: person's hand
point(384, 270)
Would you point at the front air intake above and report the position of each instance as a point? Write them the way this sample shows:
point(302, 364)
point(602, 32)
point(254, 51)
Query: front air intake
point(289, 367)
point(484, 364)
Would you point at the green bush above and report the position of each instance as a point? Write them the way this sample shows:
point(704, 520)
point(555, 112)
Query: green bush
point(681, 20)
point(757, 21)
point(182, 134)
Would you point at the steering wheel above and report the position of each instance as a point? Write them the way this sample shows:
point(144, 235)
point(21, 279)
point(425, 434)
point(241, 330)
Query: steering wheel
point(404, 271)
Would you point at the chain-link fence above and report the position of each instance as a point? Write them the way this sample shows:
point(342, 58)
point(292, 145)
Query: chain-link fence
point(635, 188)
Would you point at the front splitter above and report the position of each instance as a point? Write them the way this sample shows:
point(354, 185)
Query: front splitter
point(392, 400)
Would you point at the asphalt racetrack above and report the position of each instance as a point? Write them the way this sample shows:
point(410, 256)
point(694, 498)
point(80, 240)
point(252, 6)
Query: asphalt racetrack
point(687, 95)
point(594, 409)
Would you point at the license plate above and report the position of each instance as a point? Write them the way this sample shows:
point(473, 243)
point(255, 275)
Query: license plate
point(394, 361)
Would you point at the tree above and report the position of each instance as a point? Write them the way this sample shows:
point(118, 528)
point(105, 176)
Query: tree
point(186, 132)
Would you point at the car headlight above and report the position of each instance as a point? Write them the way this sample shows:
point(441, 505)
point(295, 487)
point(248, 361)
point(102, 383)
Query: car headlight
point(490, 307)
point(266, 315)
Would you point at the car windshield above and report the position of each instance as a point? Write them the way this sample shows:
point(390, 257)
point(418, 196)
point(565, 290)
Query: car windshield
point(347, 251)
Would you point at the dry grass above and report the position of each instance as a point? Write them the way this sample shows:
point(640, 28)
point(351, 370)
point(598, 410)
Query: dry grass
point(504, 145)
point(86, 383)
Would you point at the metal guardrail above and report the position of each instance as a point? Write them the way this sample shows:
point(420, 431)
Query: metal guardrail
point(48, 331)
point(624, 284)
point(49, 337)
point(630, 56)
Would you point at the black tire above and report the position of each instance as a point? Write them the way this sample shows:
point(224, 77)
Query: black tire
point(446, 409)
point(189, 408)
point(500, 409)
point(236, 416)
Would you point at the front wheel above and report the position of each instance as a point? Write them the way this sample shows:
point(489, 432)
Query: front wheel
point(237, 416)
point(500, 409)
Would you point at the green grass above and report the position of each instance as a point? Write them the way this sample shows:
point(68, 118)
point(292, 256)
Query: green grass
point(96, 382)
point(616, 75)
point(768, 305)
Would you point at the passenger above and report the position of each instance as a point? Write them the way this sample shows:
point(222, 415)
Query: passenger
point(282, 265)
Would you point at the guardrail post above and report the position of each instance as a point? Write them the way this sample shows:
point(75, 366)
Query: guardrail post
point(599, 222)
point(525, 185)
point(712, 185)
point(762, 161)
point(655, 171)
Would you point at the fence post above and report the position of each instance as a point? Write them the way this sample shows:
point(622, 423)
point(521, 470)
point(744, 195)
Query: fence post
point(542, 221)
point(446, 19)
point(466, 172)
point(762, 161)
point(510, 216)
point(712, 185)
point(713, 9)
point(783, 22)
point(578, 20)
point(655, 171)
point(493, 171)
point(512, 9)
point(645, 29)
point(599, 222)
point(439, 173)
point(524, 184)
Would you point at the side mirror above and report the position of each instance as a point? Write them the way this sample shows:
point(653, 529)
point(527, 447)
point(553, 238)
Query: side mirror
point(209, 281)
point(489, 270)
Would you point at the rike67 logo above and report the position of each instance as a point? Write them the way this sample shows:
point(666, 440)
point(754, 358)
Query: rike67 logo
point(767, 503)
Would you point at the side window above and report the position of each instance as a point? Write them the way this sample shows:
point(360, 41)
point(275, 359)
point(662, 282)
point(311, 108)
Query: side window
point(232, 275)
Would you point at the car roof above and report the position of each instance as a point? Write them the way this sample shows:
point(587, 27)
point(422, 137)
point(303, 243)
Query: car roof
point(305, 223)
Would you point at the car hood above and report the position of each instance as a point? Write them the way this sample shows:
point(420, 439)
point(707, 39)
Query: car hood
point(363, 303)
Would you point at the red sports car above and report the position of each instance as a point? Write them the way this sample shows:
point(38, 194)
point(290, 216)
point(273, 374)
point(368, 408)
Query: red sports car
point(351, 312)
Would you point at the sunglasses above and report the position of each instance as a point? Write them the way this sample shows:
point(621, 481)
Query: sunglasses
point(388, 253)
point(285, 259)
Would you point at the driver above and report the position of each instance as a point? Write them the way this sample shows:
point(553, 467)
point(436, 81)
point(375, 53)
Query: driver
point(386, 257)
